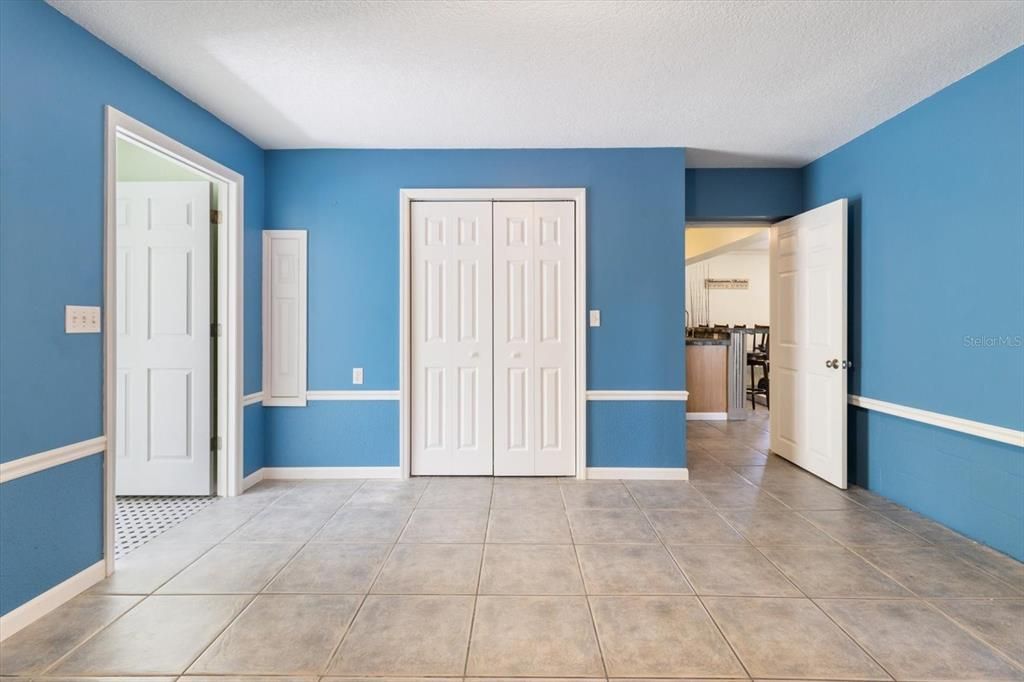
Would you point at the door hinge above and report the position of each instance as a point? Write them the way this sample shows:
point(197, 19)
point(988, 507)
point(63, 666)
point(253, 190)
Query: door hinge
point(215, 216)
point(216, 329)
point(216, 443)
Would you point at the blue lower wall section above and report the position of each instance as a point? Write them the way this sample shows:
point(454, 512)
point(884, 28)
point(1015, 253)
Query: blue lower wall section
point(636, 433)
point(970, 484)
point(254, 455)
point(333, 433)
point(51, 527)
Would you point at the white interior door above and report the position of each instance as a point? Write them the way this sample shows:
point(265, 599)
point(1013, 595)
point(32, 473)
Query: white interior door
point(808, 341)
point(534, 341)
point(451, 364)
point(163, 339)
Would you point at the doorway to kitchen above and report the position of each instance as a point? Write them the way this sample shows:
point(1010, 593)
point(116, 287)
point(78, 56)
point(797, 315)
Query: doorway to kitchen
point(795, 366)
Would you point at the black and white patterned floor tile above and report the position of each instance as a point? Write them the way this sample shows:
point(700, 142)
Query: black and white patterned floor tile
point(140, 519)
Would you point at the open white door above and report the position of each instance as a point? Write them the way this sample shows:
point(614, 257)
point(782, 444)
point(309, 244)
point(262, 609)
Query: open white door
point(808, 341)
point(163, 338)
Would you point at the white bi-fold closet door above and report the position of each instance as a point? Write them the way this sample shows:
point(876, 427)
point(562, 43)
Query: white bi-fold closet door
point(493, 359)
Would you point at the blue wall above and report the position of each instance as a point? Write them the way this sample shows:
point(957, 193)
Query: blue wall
point(743, 193)
point(348, 200)
point(937, 256)
point(51, 525)
point(55, 79)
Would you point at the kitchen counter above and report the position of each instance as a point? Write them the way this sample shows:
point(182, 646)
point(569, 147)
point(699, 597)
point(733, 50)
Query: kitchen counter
point(702, 341)
point(715, 362)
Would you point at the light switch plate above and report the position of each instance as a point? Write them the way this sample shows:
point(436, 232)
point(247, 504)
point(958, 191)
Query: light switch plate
point(82, 319)
point(595, 318)
point(357, 375)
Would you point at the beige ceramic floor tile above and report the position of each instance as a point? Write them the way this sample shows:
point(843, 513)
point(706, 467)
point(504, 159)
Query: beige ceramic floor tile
point(661, 637)
point(924, 527)
point(282, 524)
point(407, 636)
point(812, 497)
point(526, 494)
point(232, 568)
point(279, 634)
point(364, 524)
point(916, 642)
point(790, 638)
point(331, 568)
point(610, 526)
point(430, 569)
point(767, 528)
point(389, 493)
point(935, 572)
point(866, 528)
point(737, 571)
point(36, 647)
point(530, 569)
point(149, 567)
point(1000, 622)
point(445, 493)
point(446, 525)
point(693, 528)
point(833, 572)
point(549, 526)
point(666, 495)
point(996, 564)
point(533, 637)
point(596, 495)
point(630, 569)
point(318, 495)
point(160, 636)
point(743, 496)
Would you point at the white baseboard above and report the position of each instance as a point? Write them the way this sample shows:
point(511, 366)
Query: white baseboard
point(707, 416)
point(252, 479)
point(33, 610)
point(639, 473)
point(294, 473)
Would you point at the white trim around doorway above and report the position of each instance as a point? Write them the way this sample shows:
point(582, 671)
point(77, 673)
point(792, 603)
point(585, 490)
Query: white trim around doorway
point(229, 304)
point(405, 199)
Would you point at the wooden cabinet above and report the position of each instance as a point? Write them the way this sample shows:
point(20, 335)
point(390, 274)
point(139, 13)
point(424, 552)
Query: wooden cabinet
point(707, 378)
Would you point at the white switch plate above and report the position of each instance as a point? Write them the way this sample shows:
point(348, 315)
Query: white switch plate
point(595, 318)
point(357, 375)
point(82, 319)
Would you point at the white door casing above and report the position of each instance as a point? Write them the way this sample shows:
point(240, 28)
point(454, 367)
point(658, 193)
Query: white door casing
point(534, 341)
point(163, 378)
point(808, 387)
point(451, 363)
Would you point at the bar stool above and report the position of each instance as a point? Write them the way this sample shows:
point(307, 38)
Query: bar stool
point(758, 357)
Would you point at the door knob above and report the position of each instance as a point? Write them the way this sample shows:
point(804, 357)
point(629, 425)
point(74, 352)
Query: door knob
point(833, 363)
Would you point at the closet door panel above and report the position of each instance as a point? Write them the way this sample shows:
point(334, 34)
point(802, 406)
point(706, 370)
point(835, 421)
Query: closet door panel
point(451, 364)
point(533, 339)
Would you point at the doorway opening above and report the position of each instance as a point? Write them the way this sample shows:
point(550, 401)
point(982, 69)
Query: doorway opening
point(766, 347)
point(172, 343)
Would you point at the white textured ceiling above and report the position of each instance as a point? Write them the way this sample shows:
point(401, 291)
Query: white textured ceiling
point(740, 83)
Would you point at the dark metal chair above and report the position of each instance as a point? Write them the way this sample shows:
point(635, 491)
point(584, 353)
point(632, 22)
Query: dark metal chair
point(759, 357)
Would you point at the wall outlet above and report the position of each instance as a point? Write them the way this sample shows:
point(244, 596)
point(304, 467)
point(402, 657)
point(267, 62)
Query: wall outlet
point(595, 318)
point(357, 375)
point(82, 319)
